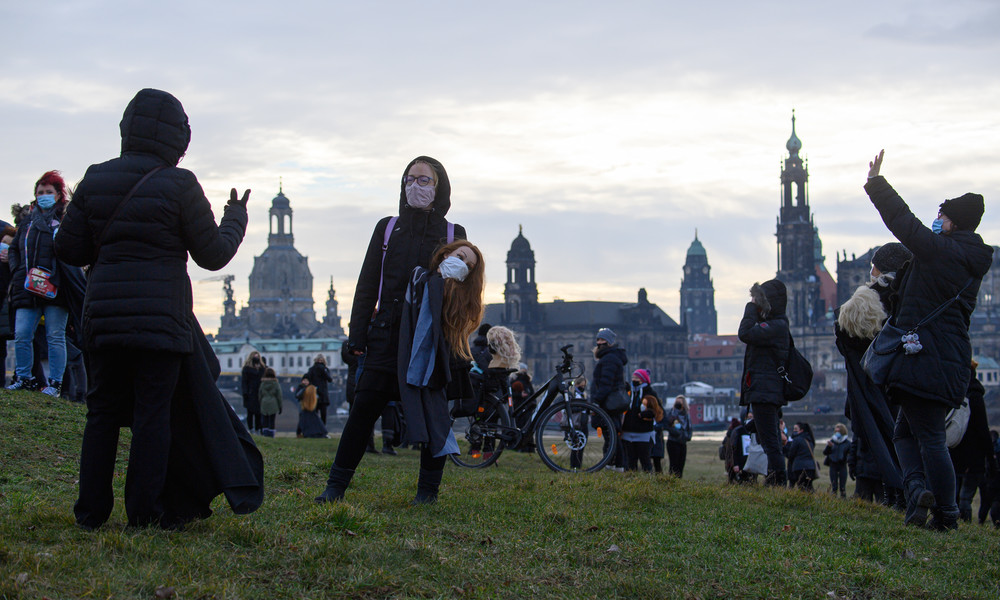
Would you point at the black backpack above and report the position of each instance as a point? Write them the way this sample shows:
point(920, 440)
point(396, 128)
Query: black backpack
point(797, 374)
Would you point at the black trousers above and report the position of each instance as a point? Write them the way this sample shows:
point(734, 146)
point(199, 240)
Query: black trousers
point(127, 387)
point(374, 392)
point(766, 418)
point(636, 454)
point(677, 451)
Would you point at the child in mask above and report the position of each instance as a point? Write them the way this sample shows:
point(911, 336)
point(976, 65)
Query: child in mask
point(443, 305)
point(637, 423)
point(678, 435)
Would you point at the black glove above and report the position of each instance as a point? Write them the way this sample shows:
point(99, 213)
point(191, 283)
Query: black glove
point(242, 202)
point(851, 474)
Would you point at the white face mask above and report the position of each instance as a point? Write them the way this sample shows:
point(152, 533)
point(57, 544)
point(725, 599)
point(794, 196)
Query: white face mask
point(419, 196)
point(453, 268)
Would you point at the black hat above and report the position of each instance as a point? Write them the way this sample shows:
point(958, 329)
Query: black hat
point(965, 211)
point(891, 257)
point(484, 328)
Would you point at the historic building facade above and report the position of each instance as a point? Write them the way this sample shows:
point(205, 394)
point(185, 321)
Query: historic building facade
point(652, 339)
point(698, 312)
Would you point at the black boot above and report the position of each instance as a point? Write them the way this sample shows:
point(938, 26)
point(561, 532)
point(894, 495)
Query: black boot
point(943, 521)
point(336, 485)
point(918, 500)
point(427, 487)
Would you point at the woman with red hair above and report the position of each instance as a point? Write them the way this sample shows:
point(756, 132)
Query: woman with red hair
point(37, 282)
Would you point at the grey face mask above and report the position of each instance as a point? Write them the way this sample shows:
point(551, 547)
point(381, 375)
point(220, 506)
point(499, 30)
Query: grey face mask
point(419, 196)
point(453, 268)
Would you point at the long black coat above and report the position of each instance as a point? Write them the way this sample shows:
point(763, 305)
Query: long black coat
point(319, 375)
point(250, 380)
point(139, 293)
point(941, 265)
point(415, 238)
point(976, 448)
point(767, 347)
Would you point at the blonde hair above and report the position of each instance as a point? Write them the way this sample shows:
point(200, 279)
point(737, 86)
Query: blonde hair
point(249, 360)
point(841, 428)
point(684, 402)
point(863, 314)
point(503, 344)
point(309, 398)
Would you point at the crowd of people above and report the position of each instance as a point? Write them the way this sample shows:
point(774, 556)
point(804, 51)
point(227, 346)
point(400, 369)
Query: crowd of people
point(103, 269)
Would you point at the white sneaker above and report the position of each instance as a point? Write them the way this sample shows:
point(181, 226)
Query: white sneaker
point(51, 391)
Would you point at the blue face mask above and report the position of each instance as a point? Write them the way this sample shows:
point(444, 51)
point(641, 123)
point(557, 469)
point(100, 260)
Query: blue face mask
point(937, 226)
point(46, 201)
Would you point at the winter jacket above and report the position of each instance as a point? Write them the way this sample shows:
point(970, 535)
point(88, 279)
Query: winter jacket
point(609, 373)
point(639, 418)
point(941, 266)
point(33, 246)
point(836, 453)
point(678, 426)
point(139, 293)
point(417, 234)
point(799, 451)
point(250, 386)
point(270, 396)
point(975, 451)
point(767, 347)
point(481, 354)
point(319, 375)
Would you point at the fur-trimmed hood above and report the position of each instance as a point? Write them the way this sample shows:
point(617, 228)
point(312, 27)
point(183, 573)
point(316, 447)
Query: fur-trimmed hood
point(770, 297)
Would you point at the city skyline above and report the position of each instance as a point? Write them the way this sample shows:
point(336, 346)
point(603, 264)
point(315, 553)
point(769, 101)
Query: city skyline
point(610, 135)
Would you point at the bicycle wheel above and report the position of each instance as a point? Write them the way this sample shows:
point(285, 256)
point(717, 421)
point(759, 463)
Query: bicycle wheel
point(481, 436)
point(579, 438)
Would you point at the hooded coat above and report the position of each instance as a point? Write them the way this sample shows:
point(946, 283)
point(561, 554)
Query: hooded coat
point(138, 293)
point(764, 329)
point(609, 373)
point(417, 234)
point(942, 265)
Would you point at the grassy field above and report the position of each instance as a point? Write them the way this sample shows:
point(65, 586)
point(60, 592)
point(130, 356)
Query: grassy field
point(516, 530)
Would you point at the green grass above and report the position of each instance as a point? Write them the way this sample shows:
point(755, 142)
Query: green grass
point(516, 530)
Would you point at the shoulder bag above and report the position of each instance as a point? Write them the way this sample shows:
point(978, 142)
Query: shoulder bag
point(885, 348)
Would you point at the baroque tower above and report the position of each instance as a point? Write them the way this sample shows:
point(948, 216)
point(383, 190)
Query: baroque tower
point(796, 239)
point(698, 312)
point(520, 293)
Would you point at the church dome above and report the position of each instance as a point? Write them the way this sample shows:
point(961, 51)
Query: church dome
point(520, 244)
point(280, 201)
point(696, 249)
point(794, 144)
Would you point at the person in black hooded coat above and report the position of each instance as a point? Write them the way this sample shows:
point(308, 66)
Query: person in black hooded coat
point(146, 351)
point(764, 329)
point(948, 264)
point(609, 376)
point(418, 231)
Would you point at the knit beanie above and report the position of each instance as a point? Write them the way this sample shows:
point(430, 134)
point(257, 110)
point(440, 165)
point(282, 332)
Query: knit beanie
point(642, 375)
point(484, 328)
point(965, 211)
point(891, 257)
point(607, 334)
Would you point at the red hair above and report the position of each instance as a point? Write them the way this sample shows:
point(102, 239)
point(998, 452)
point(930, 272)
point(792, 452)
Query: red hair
point(54, 179)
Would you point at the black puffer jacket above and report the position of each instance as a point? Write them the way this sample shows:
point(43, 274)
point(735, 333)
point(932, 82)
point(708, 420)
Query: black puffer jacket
point(766, 338)
point(139, 294)
point(941, 266)
point(609, 373)
point(415, 238)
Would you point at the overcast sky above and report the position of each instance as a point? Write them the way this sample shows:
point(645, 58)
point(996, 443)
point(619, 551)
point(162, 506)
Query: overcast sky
point(610, 130)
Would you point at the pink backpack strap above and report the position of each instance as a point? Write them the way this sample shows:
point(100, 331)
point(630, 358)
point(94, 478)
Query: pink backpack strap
point(385, 245)
point(451, 232)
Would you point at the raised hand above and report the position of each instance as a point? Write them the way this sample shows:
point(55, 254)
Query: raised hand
point(243, 201)
point(875, 165)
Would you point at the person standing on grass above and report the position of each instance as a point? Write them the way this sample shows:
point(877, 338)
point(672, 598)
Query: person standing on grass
point(764, 329)
point(637, 422)
point(319, 375)
point(150, 364)
point(799, 451)
point(678, 425)
point(836, 451)
point(417, 233)
point(609, 376)
point(253, 371)
point(270, 401)
point(949, 261)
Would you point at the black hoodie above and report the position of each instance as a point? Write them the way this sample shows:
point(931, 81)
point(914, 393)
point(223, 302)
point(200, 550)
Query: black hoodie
point(417, 234)
point(764, 329)
point(139, 294)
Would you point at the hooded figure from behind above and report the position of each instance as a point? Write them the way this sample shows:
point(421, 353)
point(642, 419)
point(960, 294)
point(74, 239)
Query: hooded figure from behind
point(150, 363)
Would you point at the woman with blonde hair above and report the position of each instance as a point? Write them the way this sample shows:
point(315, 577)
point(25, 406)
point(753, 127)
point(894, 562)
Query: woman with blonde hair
point(310, 425)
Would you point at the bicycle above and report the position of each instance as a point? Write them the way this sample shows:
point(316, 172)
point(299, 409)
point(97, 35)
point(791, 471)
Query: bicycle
point(564, 429)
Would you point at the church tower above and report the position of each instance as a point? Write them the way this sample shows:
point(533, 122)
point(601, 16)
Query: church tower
point(332, 318)
point(796, 239)
point(698, 312)
point(520, 293)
